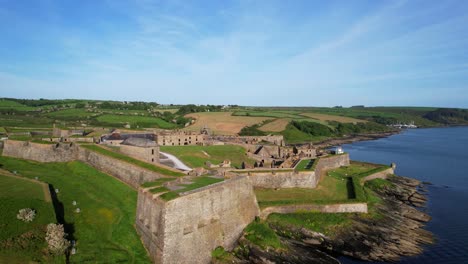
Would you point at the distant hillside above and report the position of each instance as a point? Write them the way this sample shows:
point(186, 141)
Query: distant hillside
point(448, 116)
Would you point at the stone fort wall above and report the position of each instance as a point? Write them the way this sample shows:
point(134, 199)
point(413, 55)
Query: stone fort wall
point(41, 152)
point(187, 229)
point(280, 178)
point(64, 152)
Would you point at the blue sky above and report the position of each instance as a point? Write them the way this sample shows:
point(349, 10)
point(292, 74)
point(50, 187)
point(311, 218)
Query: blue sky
point(291, 53)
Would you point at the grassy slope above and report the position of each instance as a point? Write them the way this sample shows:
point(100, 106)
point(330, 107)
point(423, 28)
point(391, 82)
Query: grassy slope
point(194, 157)
point(128, 159)
point(16, 194)
point(104, 230)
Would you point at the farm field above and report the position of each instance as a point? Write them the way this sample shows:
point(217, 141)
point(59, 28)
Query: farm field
point(134, 121)
point(326, 118)
point(22, 242)
point(104, 229)
point(70, 114)
point(194, 156)
point(223, 123)
point(277, 125)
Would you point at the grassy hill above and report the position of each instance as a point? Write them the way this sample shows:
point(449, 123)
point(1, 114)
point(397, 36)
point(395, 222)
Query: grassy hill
point(104, 229)
point(44, 113)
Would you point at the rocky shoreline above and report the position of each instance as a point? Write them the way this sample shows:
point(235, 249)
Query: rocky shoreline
point(396, 232)
point(354, 138)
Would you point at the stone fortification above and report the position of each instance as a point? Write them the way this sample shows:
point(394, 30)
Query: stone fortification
point(330, 162)
point(378, 175)
point(149, 155)
point(59, 152)
point(65, 152)
point(279, 178)
point(129, 173)
point(288, 178)
point(188, 228)
point(324, 208)
point(273, 139)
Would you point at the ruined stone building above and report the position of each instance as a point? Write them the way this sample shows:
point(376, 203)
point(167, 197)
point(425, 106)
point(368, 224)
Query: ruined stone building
point(180, 138)
point(141, 148)
point(117, 138)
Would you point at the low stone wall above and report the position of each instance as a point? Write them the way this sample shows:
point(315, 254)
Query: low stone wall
point(378, 175)
point(330, 208)
point(188, 228)
point(60, 152)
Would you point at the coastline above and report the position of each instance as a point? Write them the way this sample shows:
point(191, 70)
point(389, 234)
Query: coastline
point(355, 138)
point(397, 231)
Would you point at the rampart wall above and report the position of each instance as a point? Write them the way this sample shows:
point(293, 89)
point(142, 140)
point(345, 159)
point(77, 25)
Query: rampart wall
point(188, 228)
point(281, 178)
point(41, 152)
point(378, 175)
point(324, 208)
point(124, 171)
point(65, 152)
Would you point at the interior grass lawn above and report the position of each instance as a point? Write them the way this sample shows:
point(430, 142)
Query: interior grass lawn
point(104, 229)
point(22, 242)
point(141, 121)
point(357, 170)
point(333, 188)
point(194, 156)
point(329, 190)
point(197, 183)
point(128, 159)
point(305, 165)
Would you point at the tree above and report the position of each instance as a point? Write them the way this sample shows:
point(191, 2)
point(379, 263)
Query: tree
point(55, 238)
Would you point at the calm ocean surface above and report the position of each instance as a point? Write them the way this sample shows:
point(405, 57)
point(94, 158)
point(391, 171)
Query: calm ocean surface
point(438, 156)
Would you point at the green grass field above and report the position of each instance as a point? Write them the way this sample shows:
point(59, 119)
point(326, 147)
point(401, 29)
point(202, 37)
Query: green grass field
point(8, 104)
point(104, 230)
point(194, 157)
point(70, 114)
point(128, 159)
point(21, 242)
point(134, 121)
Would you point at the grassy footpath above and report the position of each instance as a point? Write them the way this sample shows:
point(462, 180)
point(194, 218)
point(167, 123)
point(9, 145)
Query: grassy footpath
point(104, 230)
point(22, 242)
point(194, 156)
point(128, 159)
